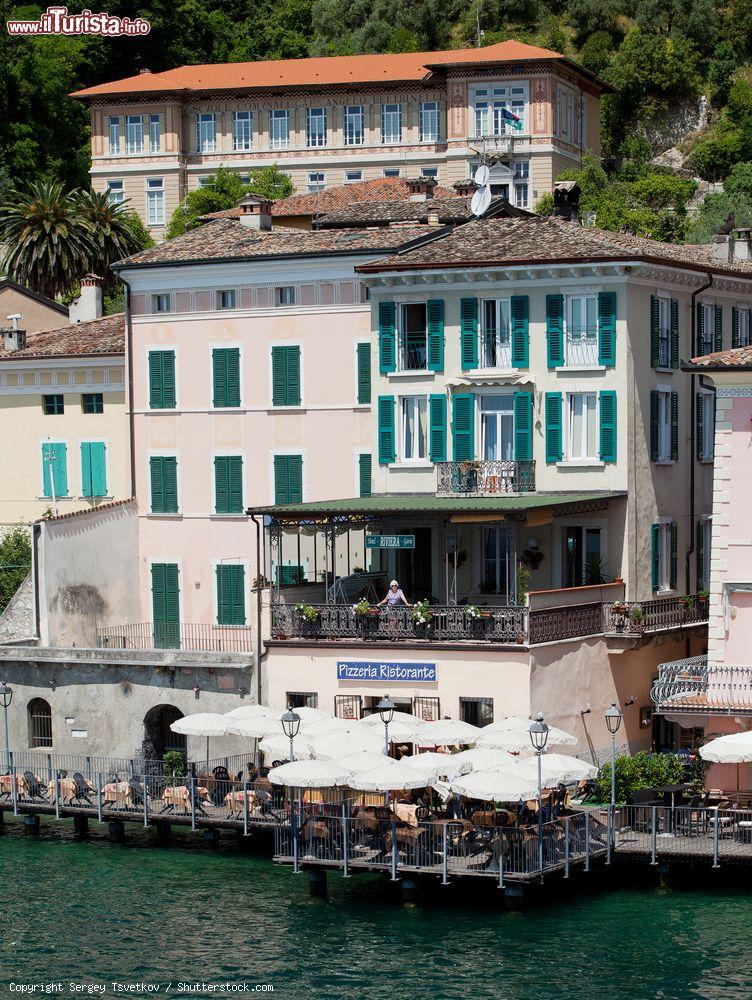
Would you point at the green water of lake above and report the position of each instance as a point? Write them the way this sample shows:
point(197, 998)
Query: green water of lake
point(94, 912)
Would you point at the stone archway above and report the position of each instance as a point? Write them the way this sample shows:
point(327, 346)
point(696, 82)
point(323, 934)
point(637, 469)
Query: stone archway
point(158, 737)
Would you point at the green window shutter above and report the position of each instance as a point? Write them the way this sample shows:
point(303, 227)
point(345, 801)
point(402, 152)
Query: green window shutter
point(162, 380)
point(654, 434)
point(226, 376)
point(55, 469)
point(555, 330)
point(463, 427)
point(93, 469)
point(386, 430)
point(673, 538)
point(364, 475)
point(607, 328)
point(655, 556)
point(553, 427)
point(164, 484)
point(236, 484)
point(700, 555)
point(654, 325)
point(674, 426)
point(700, 329)
point(288, 478)
point(228, 484)
point(364, 373)
point(469, 334)
point(520, 311)
point(699, 424)
point(165, 594)
point(281, 479)
point(734, 326)
point(523, 426)
point(674, 333)
point(435, 334)
point(608, 444)
point(387, 338)
point(86, 468)
point(437, 428)
point(296, 478)
point(718, 332)
point(230, 595)
point(286, 376)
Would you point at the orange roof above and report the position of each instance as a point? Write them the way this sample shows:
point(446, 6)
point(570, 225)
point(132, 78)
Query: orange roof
point(326, 71)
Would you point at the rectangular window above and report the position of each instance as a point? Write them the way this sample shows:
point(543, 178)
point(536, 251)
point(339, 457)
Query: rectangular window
point(497, 427)
point(206, 132)
point(496, 334)
point(53, 404)
point(706, 335)
point(316, 131)
point(582, 426)
point(114, 131)
point(582, 556)
point(477, 711)
point(316, 181)
point(564, 111)
point(664, 426)
point(391, 124)
point(226, 376)
point(353, 125)
point(520, 195)
point(497, 110)
point(226, 298)
point(288, 478)
point(285, 296)
point(703, 547)
point(92, 402)
point(155, 133)
point(242, 130)
point(664, 332)
point(115, 192)
point(93, 469)
point(429, 171)
point(155, 203)
point(134, 134)
point(391, 172)
point(279, 128)
point(286, 376)
point(664, 553)
point(228, 484)
point(204, 181)
point(429, 121)
point(302, 699)
point(230, 595)
point(706, 425)
point(161, 380)
point(413, 339)
point(161, 302)
point(414, 428)
point(353, 176)
point(742, 332)
point(163, 474)
point(498, 567)
point(55, 469)
point(582, 331)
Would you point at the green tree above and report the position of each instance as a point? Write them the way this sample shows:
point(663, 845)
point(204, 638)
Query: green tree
point(223, 191)
point(116, 232)
point(15, 562)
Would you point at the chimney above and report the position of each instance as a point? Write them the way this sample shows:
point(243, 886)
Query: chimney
point(433, 217)
point(466, 188)
point(742, 248)
point(255, 212)
point(421, 188)
point(13, 338)
point(88, 305)
point(722, 248)
point(567, 200)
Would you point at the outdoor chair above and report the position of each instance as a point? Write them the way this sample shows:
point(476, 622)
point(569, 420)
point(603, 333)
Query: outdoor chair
point(220, 786)
point(81, 792)
point(137, 791)
point(719, 816)
point(35, 788)
point(690, 819)
point(317, 835)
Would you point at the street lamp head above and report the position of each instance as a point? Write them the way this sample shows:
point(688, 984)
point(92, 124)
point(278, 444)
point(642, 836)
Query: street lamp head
point(6, 694)
point(538, 734)
point(386, 708)
point(613, 719)
point(291, 723)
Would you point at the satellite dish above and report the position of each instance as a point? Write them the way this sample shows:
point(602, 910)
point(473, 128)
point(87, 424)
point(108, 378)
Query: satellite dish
point(482, 176)
point(481, 201)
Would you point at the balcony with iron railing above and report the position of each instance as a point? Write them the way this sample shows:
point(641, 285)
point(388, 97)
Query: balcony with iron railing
point(185, 636)
point(489, 477)
point(634, 618)
point(691, 685)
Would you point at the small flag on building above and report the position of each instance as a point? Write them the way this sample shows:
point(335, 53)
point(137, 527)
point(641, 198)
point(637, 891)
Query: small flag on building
point(514, 120)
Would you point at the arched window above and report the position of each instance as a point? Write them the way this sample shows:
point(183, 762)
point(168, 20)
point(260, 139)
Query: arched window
point(40, 723)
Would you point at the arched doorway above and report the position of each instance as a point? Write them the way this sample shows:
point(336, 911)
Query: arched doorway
point(158, 737)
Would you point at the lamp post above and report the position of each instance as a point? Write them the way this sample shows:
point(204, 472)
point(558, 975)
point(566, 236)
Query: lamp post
point(539, 737)
point(386, 708)
point(613, 721)
point(6, 697)
point(291, 727)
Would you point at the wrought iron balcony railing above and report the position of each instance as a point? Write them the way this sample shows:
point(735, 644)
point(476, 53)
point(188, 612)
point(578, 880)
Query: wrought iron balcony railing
point(487, 477)
point(195, 637)
point(638, 617)
point(692, 685)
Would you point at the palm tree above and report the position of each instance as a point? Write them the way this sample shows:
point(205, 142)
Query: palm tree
point(115, 231)
point(45, 242)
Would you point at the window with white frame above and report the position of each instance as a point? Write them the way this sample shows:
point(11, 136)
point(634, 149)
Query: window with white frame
point(581, 427)
point(496, 334)
point(498, 571)
point(155, 133)
point(706, 423)
point(134, 134)
point(664, 331)
point(285, 296)
point(664, 556)
point(742, 330)
point(115, 192)
point(391, 172)
point(279, 128)
point(391, 124)
point(226, 298)
point(582, 330)
point(414, 428)
point(429, 171)
point(114, 133)
point(521, 195)
point(413, 338)
point(496, 427)
point(664, 425)
point(242, 130)
point(315, 127)
point(353, 126)
point(161, 302)
point(429, 121)
point(206, 132)
point(497, 110)
point(707, 336)
point(316, 181)
point(353, 176)
point(155, 201)
point(204, 180)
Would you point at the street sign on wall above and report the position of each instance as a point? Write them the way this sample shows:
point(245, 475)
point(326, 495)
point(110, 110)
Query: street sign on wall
point(390, 541)
point(374, 670)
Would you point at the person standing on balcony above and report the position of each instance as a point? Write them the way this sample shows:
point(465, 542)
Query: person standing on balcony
point(394, 597)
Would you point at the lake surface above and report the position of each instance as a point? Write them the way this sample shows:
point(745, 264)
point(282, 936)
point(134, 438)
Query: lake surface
point(96, 912)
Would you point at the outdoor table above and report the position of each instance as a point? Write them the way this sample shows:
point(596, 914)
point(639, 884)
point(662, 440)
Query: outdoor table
point(6, 784)
point(406, 812)
point(180, 795)
point(234, 801)
point(66, 789)
point(119, 792)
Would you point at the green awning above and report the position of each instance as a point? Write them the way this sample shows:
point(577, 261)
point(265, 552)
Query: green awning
point(361, 508)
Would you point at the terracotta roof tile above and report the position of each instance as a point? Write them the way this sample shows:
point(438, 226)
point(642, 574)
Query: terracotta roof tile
point(737, 357)
point(89, 510)
point(101, 336)
point(326, 71)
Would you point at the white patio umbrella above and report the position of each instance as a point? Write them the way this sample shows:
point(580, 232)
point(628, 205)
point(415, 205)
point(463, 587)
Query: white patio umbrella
point(447, 732)
point(308, 715)
point(402, 729)
point(322, 727)
point(259, 727)
point(433, 765)
point(495, 785)
point(374, 719)
point(250, 713)
point(555, 768)
point(388, 777)
point(206, 724)
point(736, 748)
point(278, 747)
point(482, 758)
point(362, 760)
point(309, 774)
point(514, 734)
point(333, 746)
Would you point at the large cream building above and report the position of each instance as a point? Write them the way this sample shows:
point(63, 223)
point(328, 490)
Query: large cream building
point(529, 111)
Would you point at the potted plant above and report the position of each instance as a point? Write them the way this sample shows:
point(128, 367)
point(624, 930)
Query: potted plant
point(636, 618)
point(476, 617)
point(523, 582)
point(421, 615)
point(310, 618)
point(361, 608)
point(703, 598)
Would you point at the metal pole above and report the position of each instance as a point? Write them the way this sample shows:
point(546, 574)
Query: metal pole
point(500, 843)
point(7, 739)
point(345, 845)
point(99, 797)
point(144, 797)
point(654, 835)
point(613, 771)
point(193, 802)
point(386, 738)
point(566, 847)
point(15, 790)
point(540, 816)
point(715, 840)
point(608, 834)
point(57, 793)
point(587, 842)
point(292, 751)
point(394, 850)
point(445, 865)
point(245, 808)
point(294, 831)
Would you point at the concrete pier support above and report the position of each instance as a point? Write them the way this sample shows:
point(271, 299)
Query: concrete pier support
point(116, 829)
point(317, 883)
point(81, 826)
point(211, 838)
point(514, 896)
point(409, 890)
point(31, 824)
point(164, 833)
point(2, 819)
point(663, 874)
